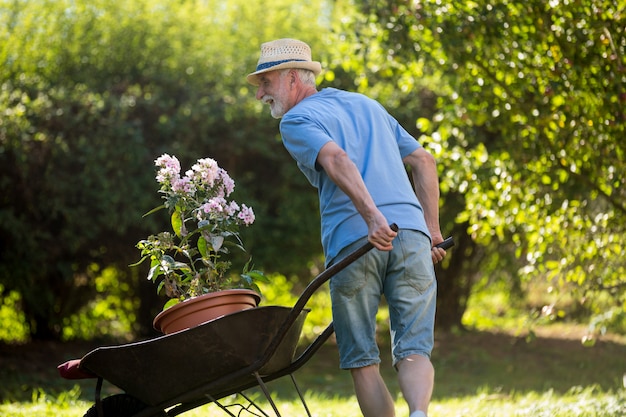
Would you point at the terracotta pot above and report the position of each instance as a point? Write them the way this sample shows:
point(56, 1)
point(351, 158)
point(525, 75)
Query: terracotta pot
point(201, 309)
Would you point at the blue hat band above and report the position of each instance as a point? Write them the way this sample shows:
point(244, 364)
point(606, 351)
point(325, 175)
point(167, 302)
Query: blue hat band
point(271, 64)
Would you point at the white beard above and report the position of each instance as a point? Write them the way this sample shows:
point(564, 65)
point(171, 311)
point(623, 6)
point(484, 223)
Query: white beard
point(276, 108)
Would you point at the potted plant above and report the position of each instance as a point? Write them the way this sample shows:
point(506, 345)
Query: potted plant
point(190, 263)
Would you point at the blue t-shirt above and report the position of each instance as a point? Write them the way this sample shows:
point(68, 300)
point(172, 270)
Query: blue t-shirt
point(374, 141)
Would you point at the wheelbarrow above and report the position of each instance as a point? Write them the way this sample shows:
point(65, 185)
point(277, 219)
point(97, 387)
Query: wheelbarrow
point(234, 353)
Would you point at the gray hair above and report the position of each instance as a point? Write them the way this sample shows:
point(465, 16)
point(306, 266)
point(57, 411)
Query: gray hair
point(307, 77)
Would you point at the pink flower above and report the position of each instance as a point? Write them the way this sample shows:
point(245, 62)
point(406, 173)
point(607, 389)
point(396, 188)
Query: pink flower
point(183, 185)
point(232, 208)
point(228, 185)
point(246, 214)
point(205, 170)
point(169, 162)
point(169, 169)
point(214, 206)
point(202, 194)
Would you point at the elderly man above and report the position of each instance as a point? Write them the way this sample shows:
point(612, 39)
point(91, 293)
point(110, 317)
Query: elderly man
point(355, 153)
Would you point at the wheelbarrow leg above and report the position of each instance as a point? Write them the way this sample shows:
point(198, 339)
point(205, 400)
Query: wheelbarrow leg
point(266, 392)
point(253, 404)
point(269, 398)
point(98, 400)
point(220, 405)
point(293, 380)
point(248, 407)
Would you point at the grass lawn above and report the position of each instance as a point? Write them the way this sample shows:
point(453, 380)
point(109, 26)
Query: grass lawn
point(479, 374)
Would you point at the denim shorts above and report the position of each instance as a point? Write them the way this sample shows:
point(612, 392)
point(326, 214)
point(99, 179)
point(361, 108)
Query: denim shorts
point(406, 278)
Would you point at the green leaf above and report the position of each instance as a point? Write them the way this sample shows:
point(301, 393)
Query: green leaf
point(259, 276)
point(203, 247)
point(154, 210)
point(171, 303)
point(154, 272)
point(139, 262)
point(177, 223)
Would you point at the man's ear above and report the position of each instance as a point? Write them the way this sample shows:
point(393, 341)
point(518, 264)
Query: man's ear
point(293, 77)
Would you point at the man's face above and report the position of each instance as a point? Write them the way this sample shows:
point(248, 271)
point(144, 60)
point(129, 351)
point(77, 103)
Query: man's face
point(273, 90)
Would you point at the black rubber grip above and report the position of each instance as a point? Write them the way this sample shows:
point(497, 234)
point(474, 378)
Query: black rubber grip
point(446, 244)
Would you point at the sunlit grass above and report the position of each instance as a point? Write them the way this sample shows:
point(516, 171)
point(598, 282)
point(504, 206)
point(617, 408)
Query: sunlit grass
point(42, 404)
point(578, 402)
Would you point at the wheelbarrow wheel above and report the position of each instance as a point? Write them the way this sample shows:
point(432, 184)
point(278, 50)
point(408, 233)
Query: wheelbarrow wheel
point(119, 405)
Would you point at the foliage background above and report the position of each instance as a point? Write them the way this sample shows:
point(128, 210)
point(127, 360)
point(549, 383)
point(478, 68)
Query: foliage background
point(92, 93)
point(521, 102)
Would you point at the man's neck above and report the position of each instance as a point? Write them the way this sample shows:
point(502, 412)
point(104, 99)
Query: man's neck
point(305, 92)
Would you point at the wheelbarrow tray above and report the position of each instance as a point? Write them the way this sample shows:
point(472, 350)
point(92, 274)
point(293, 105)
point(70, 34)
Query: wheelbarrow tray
point(213, 359)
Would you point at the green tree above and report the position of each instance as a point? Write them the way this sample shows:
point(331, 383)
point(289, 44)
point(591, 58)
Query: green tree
point(529, 126)
point(92, 92)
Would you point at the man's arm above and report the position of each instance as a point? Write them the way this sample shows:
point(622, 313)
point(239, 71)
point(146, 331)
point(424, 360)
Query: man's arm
point(344, 173)
point(426, 184)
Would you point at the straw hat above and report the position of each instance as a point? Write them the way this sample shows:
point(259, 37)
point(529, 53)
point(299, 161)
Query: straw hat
point(284, 53)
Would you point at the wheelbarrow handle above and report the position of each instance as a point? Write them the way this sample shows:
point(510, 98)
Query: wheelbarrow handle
point(333, 269)
point(446, 244)
point(353, 256)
